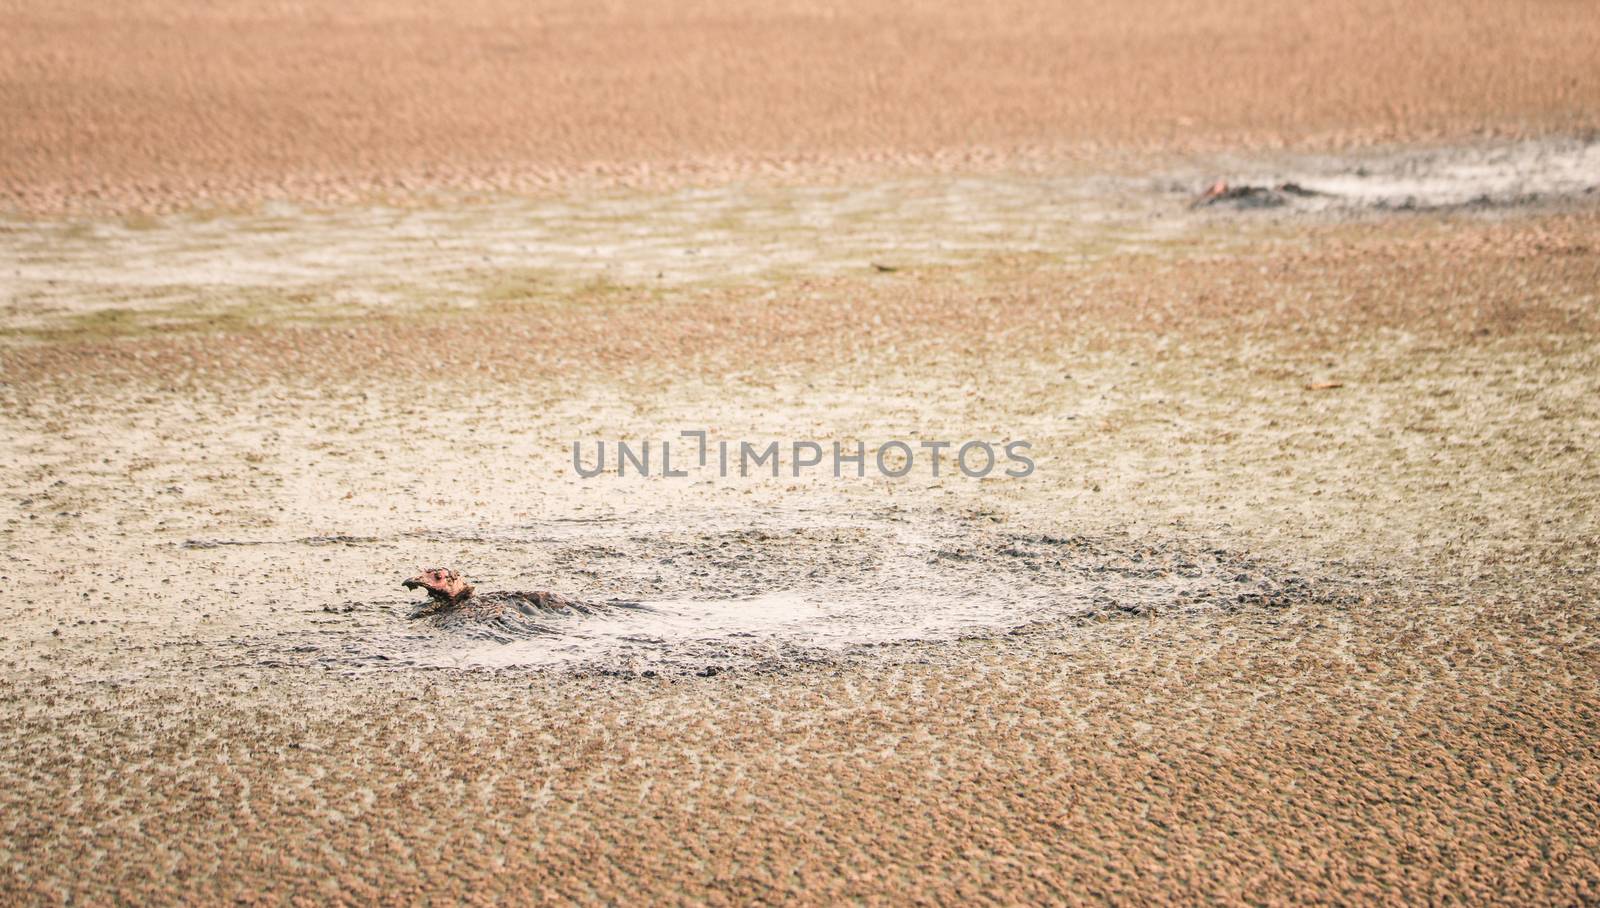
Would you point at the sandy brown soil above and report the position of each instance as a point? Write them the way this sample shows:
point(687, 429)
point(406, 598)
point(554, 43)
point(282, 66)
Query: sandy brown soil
point(1300, 605)
point(163, 103)
point(1415, 721)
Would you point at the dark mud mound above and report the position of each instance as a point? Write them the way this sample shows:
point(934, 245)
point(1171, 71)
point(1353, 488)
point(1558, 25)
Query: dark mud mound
point(1223, 193)
point(668, 599)
point(504, 617)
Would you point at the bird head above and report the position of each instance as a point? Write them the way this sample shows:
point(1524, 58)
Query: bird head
point(443, 585)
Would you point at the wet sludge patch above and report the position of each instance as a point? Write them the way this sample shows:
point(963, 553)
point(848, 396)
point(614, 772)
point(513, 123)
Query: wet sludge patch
point(1468, 178)
point(679, 602)
point(508, 617)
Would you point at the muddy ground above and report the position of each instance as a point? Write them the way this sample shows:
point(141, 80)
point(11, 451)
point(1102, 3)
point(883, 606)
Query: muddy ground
point(1297, 604)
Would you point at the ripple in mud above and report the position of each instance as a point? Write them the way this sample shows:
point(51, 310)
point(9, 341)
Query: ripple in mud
point(687, 601)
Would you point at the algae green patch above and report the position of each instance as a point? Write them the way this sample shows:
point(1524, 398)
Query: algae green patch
point(180, 309)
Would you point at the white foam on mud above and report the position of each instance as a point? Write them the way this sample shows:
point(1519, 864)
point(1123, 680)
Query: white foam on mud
point(912, 594)
point(631, 636)
point(773, 624)
point(1501, 174)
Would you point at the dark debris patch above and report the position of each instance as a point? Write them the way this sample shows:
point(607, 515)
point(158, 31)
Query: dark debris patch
point(1246, 196)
